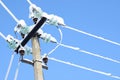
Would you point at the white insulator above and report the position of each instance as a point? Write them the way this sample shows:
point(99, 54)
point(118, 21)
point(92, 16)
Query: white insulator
point(35, 12)
point(22, 22)
point(28, 50)
point(60, 21)
point(45, 37)
point(9, 38)
point(39, 32)
point(52, 39)
point(55, 20)
point(21, 27)
point(12, 42)
point(48, 38)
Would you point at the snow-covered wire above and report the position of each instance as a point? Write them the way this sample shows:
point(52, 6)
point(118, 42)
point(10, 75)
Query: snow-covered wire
point(2, 36)
point(29, 2)
point(103, 57)
point(85, 68)
point(17, 70)
point(90, 53)
point(9, 67)
point(89, 34)
point(5, 7)
point(13, 16)
point(61, 37)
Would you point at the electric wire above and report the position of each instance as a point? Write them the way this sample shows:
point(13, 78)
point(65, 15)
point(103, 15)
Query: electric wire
point(12, 15)
point(89, 34)
point(85, 68)
point(5, 7)
point(2, 36)
point(9, 67)
point(17, 71)
point(12, 57)
point(61, 38)
point(29, 2)
point(90, 53)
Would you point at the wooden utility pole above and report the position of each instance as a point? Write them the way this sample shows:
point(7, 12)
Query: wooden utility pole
point(37, 57)
point(38, 73)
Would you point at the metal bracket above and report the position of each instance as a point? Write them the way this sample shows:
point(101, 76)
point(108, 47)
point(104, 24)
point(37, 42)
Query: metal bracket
point(27, 61)
point(43, 65)
point(37, 61)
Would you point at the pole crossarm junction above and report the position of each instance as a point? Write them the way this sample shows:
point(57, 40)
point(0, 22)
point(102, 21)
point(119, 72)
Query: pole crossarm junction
point(32, 33)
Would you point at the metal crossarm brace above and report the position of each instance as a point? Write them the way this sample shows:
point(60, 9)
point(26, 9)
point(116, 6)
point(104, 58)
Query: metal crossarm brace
point(32, 63)
point(32, 33)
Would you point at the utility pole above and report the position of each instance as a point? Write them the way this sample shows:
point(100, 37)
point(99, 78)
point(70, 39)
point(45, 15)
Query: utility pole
point(36, 51)
point(37, 57)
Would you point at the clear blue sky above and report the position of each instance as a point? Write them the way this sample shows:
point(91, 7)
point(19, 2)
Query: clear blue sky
point(99, 17)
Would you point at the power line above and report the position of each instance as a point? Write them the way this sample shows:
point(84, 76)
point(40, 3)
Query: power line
point(29, 2)
point(17, 71)
point(85, 68)
point(2, 36)
point(61, 38)
point(103, 57)
point(90, 53)
point(5, 7)
point(9, 67)
point(89, 34)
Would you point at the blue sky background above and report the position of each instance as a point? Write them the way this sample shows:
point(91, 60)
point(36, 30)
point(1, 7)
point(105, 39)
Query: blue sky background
point(99, 17)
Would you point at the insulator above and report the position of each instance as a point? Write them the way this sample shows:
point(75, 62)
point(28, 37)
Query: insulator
point(48, 38)
point(22, 51)
point(39, 32)
point(12, 42)
point(55, 20)
point(28, 50)
point(35, 12)
point(9, 38)
point(21, 27)
point(45, 59)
